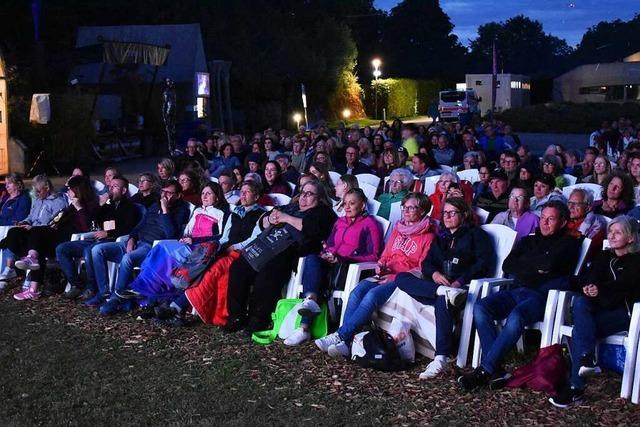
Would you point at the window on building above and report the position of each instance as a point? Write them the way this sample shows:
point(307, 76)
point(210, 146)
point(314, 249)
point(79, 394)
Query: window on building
point(478, 82)
point(593, 90)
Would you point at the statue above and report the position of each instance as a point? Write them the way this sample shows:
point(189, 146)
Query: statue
point(169, 113)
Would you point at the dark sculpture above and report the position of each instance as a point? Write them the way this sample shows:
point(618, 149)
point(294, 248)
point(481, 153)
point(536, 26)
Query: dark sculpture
point(169, 113)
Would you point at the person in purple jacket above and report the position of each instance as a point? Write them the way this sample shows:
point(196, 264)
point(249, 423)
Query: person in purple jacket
point(356, 237)
point(518, 217)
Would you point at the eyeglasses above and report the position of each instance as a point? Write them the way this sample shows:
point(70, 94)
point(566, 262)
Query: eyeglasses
point(450, 214)
point(308, 194)
point(143, 180)
point(517, 198)
point(168, 192)
point(184, 179)
point(574, 204)
point(395, 181)
point(411, 208)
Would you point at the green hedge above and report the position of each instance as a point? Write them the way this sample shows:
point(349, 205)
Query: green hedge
point(568, 117)
point(401, 97)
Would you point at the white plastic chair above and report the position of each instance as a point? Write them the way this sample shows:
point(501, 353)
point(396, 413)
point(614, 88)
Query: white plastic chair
point(132, 190)
point(430, 184)
point(372, 206)
point(547, 325)
point(213, 179)
point(368, 178)
point(402, 306)
point(369, 190)
point(445, 168)
point(335, 176)
point(482, 214)
point(279, 199)
point(570, 179)
point(395, 213)
point(98, 186)
point(292, 186)
point(595, 189)
point(471, 175)
point(629, 339)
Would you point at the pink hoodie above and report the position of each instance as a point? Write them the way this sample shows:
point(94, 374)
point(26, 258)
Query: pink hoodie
point(358, 241)
point(404, 253)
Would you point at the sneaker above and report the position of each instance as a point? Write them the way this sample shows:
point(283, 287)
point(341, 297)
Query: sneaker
point(434, 368)
point(298, 337)
point(3, 285)
point(456, 297)
point(72, 293)
point(499, 379)
point(127, 294)
point(340, 349)
point(567, 396)
point(28, 263)
point(474, 379)
point(164, 312)
point(234, 325)
point(309, 308)
point(111, 307)
point(325, 342)
point(96, 300)
point(174, 322)
point(588, 366)
point(87, 294)
point(146, 312)
point(8, 273)
point(28, 294)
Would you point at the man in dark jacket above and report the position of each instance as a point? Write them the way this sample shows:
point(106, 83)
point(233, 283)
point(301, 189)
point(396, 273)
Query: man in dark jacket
point(352, 165)
point(163, 220)
point(496, 198)
point(538, 263)
point(115, 218)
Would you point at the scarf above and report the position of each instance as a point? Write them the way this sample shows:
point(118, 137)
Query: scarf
point(416, 228)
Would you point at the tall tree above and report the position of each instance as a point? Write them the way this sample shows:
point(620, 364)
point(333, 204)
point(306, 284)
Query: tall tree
point(418, 41)
point(608, 42)
point(522, 47)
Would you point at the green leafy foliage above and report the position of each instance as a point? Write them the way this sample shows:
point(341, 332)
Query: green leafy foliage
point(402, 97)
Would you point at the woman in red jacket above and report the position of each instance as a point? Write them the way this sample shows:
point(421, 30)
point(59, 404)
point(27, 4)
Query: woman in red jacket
point(408, 245)
point(356, 237)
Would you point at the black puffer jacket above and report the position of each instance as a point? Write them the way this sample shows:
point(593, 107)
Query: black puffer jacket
point(616, 278)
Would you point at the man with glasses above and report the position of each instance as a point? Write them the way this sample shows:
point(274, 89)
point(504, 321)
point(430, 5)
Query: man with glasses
point(509, 161)
point(192, 158)
point(352, 165)
point(537, 263)
point(115, 218)
point(518, 217)
point(227, 181)
point(584, 222)
point(495, 199)
point(163, 220)
point(147, 190)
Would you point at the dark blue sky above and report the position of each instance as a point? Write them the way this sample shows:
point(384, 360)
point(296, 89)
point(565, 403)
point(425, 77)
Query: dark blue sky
point(567, 19)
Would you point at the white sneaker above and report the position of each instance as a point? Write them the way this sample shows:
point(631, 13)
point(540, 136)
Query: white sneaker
point(434, 368)
point(298, 337)
point(309, 308)
point(8, 273)
point(325, 342)
point(455, 296)
point(339, 350)
point(28, 263)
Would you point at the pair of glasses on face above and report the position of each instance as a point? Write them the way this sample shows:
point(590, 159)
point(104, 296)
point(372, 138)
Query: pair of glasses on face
point(517, 198)
point(450, 214)
point(169, 193)
point(411, 208)
point(308, 194)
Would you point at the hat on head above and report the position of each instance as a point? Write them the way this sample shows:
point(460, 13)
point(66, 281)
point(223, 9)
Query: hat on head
point(403, 150)
point(547, 179)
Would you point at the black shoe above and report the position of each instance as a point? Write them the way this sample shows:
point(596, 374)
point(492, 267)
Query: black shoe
point(234, 325)
point(174, 322)
point(87, 294)
point(475, 379)
point(256, 325)
point(567, 396)
point(73, 293)
point(147, 312)
point(127, 294)
point(163, 312)
point(499, 379)
point(588, 366)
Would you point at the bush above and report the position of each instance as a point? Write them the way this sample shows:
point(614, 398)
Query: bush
point(568, 117)
point(401, 97)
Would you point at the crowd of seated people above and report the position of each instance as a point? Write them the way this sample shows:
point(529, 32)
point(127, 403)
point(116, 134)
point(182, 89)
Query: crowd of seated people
point(217, 201)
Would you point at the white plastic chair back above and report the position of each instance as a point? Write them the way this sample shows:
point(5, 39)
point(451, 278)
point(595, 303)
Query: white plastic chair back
point(335, 176)
point(584, 248)
point(607, 219)
point(292, 186)
point(503, 238)
point(132, 190)
point(369, 190)
point(279, 199)
point(368, 178)
point(213, 179)
point(98, 186)
point(383, 223)
point(373, 206)
point(571, 180)
point(471, 175)
point(445, 168)
point(482, 214)
point(192, 208)
point(395, 213)
point(430, 184)
point(596, 190)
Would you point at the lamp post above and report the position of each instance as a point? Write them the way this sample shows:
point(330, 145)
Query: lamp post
point(376, 75)
point(297, 117)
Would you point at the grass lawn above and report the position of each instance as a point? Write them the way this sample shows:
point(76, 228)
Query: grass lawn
point(62, 364)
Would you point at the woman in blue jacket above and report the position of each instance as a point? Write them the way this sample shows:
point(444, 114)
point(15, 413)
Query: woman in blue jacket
point(15, 203)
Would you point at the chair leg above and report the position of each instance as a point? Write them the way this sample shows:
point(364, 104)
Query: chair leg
point(467, 324)
point(631, 344)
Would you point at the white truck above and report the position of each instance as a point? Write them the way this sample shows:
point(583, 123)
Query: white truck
point(456, 103)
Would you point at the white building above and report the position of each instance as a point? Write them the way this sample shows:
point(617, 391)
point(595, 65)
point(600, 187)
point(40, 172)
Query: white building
point(512, 90)
point(606, 82)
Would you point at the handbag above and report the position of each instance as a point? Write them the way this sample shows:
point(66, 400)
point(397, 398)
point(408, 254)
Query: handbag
point(544, 373)
point(197, 262)
point(286, 316)
point(271, 242)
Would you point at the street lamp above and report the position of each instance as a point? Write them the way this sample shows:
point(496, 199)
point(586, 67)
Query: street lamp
point(346, 113)
point(297, 117)
point(376, 75)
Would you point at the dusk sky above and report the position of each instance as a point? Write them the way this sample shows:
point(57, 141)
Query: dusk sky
point(567, 19)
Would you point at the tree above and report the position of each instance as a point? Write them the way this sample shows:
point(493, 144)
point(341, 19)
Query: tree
point(608, 42)
point(418, 41)
point(522, 48)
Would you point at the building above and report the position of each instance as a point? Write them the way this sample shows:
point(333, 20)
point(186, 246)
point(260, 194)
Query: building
point(608, 82)
point(512, 90)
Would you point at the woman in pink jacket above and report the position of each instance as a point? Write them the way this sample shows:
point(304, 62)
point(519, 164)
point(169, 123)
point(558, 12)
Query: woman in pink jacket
point(408, 245)
point(356, 237)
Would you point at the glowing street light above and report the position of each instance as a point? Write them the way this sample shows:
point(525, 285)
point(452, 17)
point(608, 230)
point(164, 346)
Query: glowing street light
point(376, 75)
point(297, 117)
point(376, 63)
point(346, 113)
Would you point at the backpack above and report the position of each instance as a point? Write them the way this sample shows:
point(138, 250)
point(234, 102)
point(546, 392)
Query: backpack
point(376, 349)
point(544, 373)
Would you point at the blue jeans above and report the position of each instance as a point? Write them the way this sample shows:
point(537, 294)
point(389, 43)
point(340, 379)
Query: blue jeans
point(364, 300)
point(589, 324)
point(68, 252)
point(314, 279)
point(425, 292)
point(117, 252)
